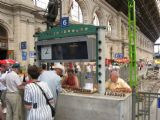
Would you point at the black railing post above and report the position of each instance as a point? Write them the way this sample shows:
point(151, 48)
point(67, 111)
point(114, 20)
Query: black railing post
point(133, 103)
point(149, 106)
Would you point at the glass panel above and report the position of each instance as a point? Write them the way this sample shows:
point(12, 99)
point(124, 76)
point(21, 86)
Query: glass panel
point(66, 51)
point(156, 49)
point(41, 3)
point(95, 19)
point(76, 12)
point(109, 27)
point(85, 72)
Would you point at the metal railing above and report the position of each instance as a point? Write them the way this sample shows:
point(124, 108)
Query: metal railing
point(147, 106)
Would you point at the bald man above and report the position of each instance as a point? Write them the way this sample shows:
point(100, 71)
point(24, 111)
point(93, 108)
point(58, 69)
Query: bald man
point(116, 83)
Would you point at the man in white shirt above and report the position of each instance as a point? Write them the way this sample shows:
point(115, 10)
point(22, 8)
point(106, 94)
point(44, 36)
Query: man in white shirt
point(13, 97)
point(3, 87)
point(52, 79)
point(88, 68)
point(117, 83)
point(78, 68)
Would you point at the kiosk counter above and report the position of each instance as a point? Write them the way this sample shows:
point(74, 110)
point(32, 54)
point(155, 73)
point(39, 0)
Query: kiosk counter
point(77, 106)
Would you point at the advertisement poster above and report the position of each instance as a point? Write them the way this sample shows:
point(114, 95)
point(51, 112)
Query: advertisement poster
point(24, 55)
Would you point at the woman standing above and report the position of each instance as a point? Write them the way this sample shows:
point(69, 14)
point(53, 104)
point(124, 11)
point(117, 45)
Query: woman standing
point(35, 102)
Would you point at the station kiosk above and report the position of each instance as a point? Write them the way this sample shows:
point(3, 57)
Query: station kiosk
point(83, 43)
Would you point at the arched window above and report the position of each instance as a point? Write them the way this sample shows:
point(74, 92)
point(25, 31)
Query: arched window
point(158, 4)
point(122, 32)
point(3, 38)
point(111, 52)
point(95, 19)
point(76, 13)
point(109, 27)
point(3, 32)
point(41, 3)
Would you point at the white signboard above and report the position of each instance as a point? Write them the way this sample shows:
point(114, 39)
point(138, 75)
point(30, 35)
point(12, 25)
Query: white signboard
point(31, 54)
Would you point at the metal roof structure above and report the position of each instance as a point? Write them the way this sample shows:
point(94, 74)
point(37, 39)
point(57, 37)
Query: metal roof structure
point(148, 15)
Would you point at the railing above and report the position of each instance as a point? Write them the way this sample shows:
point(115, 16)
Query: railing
point(147, 106)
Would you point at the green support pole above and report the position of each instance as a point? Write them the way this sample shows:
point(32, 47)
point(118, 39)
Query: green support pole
point(132, 42)
point(132, 53)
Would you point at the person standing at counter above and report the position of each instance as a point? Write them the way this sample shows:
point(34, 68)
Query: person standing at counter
point(52, 79)
point(13, 97)
point(71, 80)
point(117, 83)
point(34, 98)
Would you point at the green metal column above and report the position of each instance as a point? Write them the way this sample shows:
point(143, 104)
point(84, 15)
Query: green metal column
point(132, 42)
point(132, 53)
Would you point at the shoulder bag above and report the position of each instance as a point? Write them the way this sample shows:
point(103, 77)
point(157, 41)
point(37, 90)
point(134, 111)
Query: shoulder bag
point(47, 100)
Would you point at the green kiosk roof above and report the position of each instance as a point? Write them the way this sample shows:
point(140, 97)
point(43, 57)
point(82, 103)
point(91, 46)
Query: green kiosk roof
point(70, 31)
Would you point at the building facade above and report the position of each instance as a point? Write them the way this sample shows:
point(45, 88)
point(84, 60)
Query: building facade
point(20, 19)
point(116, 28)
point(18, 23)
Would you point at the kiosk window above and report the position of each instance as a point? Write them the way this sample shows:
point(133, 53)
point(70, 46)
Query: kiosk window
point(69, 51)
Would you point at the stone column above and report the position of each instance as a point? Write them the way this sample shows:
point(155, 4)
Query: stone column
point(17, 35)
point(31, 42)
point(119, 24)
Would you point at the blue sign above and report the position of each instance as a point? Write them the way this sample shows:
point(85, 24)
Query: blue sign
point(23, 45)
point(119, 55)
point(24, 55)
point(31, 54)
point(65, 22)
point(158, 103)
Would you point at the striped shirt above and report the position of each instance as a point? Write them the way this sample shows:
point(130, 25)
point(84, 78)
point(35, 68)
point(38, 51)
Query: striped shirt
point(33, 95)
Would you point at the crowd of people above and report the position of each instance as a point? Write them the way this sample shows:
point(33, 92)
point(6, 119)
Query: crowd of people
point(30, 96)
point(22, 95)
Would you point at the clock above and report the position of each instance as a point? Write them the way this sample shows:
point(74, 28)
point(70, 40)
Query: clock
point(46, 53)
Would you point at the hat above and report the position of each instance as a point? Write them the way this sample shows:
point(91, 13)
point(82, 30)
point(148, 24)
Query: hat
point(16, 65)
point(58, 66)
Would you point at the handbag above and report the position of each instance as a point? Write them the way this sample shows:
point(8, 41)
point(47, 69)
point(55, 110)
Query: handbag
point(47, 100)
